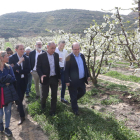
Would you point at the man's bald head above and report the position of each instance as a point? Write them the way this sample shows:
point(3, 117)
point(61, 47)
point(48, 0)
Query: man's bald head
point(76, 48)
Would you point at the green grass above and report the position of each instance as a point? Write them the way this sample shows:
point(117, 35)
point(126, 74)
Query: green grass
point(124, 63)
point(90, 125)
point(123, 77)
point(113, 99)
point(8, 44)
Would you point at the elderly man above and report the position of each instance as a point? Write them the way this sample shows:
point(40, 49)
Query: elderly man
point(49, 72)
point(21, 68)
point(76, 75)
point(62, 55)
point(33, 56)
point(28, 89)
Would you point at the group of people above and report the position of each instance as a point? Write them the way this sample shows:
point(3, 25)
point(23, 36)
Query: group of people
point(48, 69)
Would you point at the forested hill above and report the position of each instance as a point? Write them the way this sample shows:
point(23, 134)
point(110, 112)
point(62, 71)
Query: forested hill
point(33, 24)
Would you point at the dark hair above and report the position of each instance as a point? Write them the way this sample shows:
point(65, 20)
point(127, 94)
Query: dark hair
point(17, 46)
point(8, 49)
point(62, 41)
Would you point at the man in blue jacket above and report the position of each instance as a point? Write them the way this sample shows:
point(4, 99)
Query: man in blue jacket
point(76, 75)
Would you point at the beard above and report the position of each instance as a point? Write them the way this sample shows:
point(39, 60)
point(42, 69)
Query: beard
point(39, 49)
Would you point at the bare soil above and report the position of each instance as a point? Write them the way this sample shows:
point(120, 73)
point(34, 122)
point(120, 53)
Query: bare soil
point(128, 110)
point(29, 130)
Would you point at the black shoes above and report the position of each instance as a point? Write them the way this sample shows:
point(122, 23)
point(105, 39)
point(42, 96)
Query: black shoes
point(22, 119)
point(76, 113)
point(64, 101)
point(8, 132)
point(52, 114)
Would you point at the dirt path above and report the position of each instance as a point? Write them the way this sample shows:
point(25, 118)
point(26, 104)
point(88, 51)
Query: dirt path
point(128, 110)
point(132, 85)
point(29, 130)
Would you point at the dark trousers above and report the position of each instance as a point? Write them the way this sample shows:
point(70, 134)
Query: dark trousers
point(63, 83)
point(28, 89)
point(53, 84)
point(21, 88)
point(76, 92)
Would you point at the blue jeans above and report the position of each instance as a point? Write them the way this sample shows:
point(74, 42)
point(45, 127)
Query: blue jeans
point(28, 89)
point(7, 110)
point(63, 83)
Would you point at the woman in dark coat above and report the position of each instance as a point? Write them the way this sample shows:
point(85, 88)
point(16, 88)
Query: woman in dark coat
point(6, 78)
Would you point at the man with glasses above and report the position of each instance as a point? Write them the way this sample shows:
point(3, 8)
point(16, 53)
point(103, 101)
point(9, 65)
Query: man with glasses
point(21, 67)
point(76, 75)
point(33, 56)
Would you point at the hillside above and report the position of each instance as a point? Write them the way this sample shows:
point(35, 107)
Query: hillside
point(33, 24)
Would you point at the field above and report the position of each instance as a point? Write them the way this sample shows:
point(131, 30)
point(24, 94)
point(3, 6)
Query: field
point(110, 111)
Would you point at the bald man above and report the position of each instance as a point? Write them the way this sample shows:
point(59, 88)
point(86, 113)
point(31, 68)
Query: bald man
point(76, 75)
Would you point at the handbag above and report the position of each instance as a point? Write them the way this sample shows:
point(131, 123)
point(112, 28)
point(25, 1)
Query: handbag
point(10, 94)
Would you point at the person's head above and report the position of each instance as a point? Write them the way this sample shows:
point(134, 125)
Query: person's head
point(28, 50)
point(20, 49)
point(4, 58)
point(38, 45)
point(9, 51)
point(76, 48)
point(51, 47)
point(61, 45)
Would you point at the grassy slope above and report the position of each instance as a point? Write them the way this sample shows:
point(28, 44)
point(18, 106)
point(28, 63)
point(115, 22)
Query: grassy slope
point(31, 24)
point(90, 125)
point(123, 77)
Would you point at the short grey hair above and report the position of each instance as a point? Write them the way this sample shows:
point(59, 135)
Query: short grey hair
point(50, 42)
point(61, 41)
point(28, 49)
point(38, 42)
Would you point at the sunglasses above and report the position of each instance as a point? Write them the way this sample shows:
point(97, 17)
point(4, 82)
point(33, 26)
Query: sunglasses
point(9, 53)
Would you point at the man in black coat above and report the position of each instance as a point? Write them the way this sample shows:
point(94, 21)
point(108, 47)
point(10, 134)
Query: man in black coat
point(33, 56)
point(76, 75)
point(21, 68)
point(49, 72)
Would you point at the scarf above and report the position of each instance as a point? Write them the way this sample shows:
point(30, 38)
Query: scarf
point(1, 98)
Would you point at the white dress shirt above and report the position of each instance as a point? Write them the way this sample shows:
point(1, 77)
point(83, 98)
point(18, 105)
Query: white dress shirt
point(62, 54)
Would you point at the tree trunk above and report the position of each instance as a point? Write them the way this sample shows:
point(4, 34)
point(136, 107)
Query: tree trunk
point(94, 81)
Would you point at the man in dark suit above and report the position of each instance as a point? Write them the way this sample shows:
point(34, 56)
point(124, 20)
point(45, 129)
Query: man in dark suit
point(76, 75)
point(33, 62)
point(49, 72)
point(21, 68)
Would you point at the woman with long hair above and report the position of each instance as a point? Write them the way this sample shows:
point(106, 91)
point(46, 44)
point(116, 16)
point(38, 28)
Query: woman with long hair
point(5, 71)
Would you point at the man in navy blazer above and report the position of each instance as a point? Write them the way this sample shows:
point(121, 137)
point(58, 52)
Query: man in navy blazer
point(21, 67)
point(76, 75)
point(33, 56)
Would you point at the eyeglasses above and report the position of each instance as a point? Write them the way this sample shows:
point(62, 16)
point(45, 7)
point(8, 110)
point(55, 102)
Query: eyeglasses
point(9, 53)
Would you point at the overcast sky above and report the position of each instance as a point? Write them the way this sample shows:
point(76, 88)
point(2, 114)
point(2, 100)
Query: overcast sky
point(8, 6)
